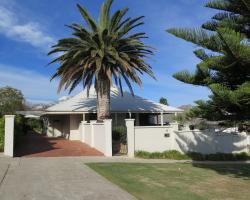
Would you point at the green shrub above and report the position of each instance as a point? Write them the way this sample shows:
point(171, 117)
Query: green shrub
point(196, 156)
point(1, 134)
point(34, 125)
point(173, 154)
point(142, 154)
point(193, 156)
point(202, 125)
point(20, 129)
point(119, 134)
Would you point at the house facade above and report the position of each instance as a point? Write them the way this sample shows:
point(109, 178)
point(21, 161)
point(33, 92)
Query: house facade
point(64, 118)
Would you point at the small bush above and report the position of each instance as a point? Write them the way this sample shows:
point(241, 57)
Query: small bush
point(202, 125)
point(1, 134)
point(173, 154)
point(20, 129)
point(142, 154)
point(34, 125)
point(193, 156)
point(119, 134)
point(196, 156)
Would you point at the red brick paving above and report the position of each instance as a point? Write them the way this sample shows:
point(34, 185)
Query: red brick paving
point(35, 145)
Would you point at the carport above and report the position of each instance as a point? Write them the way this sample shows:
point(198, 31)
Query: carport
point(36, 145)
point(39, 145)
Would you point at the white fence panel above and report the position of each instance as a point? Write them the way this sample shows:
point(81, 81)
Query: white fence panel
point(164, 138)
point(9, 135)
point(99, 136)
point(87, 133)
point(153, 138)
point(208, 142)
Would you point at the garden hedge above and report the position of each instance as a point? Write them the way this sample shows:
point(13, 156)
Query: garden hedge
point(176, 155)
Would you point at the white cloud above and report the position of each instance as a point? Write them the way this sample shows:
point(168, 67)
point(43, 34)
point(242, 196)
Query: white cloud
point(29, 32)
point(35, 87)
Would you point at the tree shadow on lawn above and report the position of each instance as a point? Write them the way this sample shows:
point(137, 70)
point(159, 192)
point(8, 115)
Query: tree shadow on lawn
point(236, 170)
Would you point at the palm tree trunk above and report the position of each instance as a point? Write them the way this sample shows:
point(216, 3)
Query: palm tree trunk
point(103, 98)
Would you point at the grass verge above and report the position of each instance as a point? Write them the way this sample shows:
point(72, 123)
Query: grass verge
point(179, 181)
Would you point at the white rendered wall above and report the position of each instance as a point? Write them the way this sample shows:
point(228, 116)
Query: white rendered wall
point(208, 142)
point(164, 138)
point(87, 133)
point(130, 123)
point(153, 139)
point(9, 135)
point(99, 136)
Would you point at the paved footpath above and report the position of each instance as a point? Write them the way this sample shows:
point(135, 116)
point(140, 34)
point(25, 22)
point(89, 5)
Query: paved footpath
point(65, 178)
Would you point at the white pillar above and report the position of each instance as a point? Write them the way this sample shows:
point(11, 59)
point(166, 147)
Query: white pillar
point(71, 126)
point(9, 135)
point(92, 143)
point(161, 118)
point(83, 131)
point(108, 137)
point(130, 123)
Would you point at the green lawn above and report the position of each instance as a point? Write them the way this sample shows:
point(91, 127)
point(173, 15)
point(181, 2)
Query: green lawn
point(179, 181)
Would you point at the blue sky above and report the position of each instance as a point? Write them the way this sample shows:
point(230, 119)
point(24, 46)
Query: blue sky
point(28, 28)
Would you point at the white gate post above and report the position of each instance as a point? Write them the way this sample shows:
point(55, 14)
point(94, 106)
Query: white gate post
point(83, 130)
point(130, 123)
point(92, 143)
point(108, 137)
point(9, 135)
point(162, 119)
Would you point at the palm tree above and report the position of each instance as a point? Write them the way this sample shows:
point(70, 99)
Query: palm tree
point(101, 53)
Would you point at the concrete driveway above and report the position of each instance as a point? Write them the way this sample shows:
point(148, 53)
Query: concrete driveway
point(63, 178)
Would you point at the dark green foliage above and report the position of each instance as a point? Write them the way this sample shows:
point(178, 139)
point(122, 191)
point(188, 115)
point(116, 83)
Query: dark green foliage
point(119, 134)
point(224, 52)
point(105, 49)
point(101, 52)
point(173, 154)
point(202, 125)
point(218, 156)
point(34, 125)
point(162, 155)
point(163, 101)
point(20, 129)
point(11, 100)
point(1, 134)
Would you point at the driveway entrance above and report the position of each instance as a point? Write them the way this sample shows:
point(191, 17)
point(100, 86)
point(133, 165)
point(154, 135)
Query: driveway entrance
point(54, 179)
point(35, 145)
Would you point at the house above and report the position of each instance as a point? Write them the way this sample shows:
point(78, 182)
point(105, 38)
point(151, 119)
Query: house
point(64, 118)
